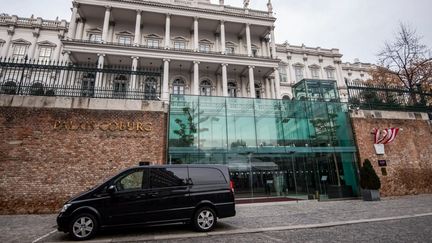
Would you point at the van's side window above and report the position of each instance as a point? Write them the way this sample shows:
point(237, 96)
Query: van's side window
point(206, 176)
point(168, 177)
point(132, 181)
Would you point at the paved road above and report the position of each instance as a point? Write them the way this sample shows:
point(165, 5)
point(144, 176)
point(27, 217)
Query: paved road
point(27, 228)
point(406, 230)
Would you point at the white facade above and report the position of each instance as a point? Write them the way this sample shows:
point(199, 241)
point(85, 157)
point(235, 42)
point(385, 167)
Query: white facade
point(202, 48)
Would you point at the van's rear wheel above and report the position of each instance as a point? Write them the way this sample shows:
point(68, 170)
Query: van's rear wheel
point(205, 219)
point(83, 227)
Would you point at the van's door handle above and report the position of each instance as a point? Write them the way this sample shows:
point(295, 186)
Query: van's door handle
point(153, 194)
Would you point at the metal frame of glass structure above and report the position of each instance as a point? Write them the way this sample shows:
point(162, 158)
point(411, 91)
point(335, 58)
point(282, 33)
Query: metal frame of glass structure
point(274, 148)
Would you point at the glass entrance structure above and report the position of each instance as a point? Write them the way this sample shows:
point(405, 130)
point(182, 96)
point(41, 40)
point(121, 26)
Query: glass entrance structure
point(274, 148)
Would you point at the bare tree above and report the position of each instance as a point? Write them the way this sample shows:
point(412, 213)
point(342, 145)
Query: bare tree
point(408, 59)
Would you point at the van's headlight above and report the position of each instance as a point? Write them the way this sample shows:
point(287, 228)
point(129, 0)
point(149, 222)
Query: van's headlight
point(65, 207)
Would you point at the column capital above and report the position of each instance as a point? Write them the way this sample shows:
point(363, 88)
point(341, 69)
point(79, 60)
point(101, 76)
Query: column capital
point(272, 28)
point(248, 24)
point(196, 18)
point(108, 7)
point(134, 57)
point(75, 4)
point(251, 67)
point(222, 21)
point(196, 62)
point(66, 52)
point(276, 69)
point(101, 54)
point(224, 64)
point(168, 15)
point(166, 60)
point(138, 11)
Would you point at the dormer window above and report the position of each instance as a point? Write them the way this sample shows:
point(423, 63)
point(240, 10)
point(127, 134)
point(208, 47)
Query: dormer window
point(19, 51)
point(179, 45)
point(125, 40)
point(205, 46)
point(95, 37)
point(153, 43)
point(45, 53)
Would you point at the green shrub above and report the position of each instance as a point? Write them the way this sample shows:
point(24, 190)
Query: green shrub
point(368, 177)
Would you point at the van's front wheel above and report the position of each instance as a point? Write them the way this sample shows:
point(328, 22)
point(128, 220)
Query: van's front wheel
point(83, 227)
point(204, 219)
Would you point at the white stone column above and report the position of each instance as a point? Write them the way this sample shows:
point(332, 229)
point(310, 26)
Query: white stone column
point(251, 81)
point(224, 80)
point(223, 40)
point(263, 48)
point(268, 88)
point(133, 83)
point(248, 40)
point(267, 41)
point(106, 24)
point(32, 52)
point(80, 29)
point(73, 24)
point(137, 37)
point(99, 75)
point(111, 32)
point(165, 82)
point(273, 42)
point(272, 88)
point(277, 83)
point(196, 34)
point(168, 31)
point(7, 44)
point(64, 73)
point(196, 78)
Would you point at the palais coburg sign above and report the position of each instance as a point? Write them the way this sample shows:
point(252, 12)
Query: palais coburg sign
point(108, 126)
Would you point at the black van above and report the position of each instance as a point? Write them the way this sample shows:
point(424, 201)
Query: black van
point(148, 195)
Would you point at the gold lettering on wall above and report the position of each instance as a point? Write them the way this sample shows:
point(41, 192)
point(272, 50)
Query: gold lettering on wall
point(107, 126)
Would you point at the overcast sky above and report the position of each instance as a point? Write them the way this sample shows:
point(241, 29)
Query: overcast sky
point(357, 27)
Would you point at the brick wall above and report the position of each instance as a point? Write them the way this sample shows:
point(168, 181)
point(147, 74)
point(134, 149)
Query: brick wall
point(49, 155)
point(409, 157)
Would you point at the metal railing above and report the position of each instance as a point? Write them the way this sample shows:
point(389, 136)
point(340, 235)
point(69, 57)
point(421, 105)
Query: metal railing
point(51, 78)
point(385, 97)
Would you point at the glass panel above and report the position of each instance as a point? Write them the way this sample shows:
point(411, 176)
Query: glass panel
point(168, 177)
point(133, 181)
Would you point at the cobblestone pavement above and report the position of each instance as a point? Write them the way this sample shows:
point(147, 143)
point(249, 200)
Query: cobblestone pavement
point(251, 216)
point(405, 230)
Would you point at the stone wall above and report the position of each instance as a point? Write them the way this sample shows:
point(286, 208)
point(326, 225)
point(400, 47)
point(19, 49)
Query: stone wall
point(409, 157)
point(48, 155)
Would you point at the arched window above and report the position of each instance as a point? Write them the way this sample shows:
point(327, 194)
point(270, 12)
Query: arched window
point(206, 88)
point(150, 88)
point(37, 89)
point(258, 91)
point(232, 89)
point(178, 87)
point(88, 84)
point(120, 86)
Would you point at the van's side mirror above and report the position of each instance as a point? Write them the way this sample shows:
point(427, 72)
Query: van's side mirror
point(111, 189)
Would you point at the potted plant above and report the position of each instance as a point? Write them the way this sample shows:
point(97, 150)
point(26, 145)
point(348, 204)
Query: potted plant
point(369, 182)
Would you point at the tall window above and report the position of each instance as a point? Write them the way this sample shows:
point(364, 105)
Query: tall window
point(254, 52)
point(298, 73)
point(179, 45)
point(153, 43)
point(258, 90)
point(45, 53)
point(232, 89)
point(314, 72)
point(283, 74)
point(125, 40)
point(150, 89)
point(204, 47)
point(95, 37)
point(206, 88)
point(330, 73)
point(19, 51)
point(120, 86)
point(88, 85)
point(178, 87)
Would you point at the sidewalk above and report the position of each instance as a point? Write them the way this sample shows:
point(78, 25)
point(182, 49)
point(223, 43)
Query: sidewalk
point(250, 218)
